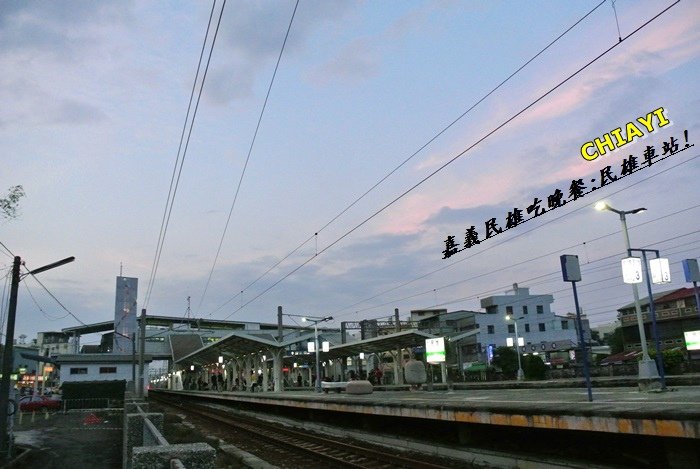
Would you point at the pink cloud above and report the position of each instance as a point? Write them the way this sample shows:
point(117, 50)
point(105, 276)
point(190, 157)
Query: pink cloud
point(653, 53)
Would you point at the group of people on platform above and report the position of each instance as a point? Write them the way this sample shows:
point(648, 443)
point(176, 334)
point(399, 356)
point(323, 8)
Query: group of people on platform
point(217, 381)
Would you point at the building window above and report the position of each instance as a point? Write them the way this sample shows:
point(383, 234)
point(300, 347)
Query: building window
point(78, 371)
point(509, 310)
point(540, 309)
point(524, 309)
point(542, 328)
point(564, 324)
point(108, 370)
point(527, 328)
point(511, 328)
point(490, 329)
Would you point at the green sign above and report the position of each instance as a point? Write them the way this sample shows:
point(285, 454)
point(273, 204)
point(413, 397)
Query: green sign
point(692, 340)
point(435, 350)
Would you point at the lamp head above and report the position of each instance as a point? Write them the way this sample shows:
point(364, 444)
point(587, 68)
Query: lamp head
point(638, 210)
point(509, 317)
point(601, 205)
point(304, 319)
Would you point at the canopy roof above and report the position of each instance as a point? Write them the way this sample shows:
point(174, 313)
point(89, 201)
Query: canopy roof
point(238, 344)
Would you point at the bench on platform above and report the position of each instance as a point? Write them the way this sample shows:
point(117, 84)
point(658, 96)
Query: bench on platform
point(360, 386)
point(336, 386)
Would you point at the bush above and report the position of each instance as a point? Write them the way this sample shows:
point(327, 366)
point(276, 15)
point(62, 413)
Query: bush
point(506, 359)
point(534, 367)
point(673, 359)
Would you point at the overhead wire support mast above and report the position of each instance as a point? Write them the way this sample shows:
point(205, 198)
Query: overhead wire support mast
point(462, 153)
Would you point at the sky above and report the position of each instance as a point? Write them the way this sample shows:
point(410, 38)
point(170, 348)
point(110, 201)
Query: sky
point(382, 135)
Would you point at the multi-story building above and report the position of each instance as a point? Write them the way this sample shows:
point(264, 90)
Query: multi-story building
point(542, 331)
point(676, 312)
point(478, 333)
point(52, 344)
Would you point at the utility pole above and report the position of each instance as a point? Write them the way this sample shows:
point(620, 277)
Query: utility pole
point(7, 360)
point(7, 351)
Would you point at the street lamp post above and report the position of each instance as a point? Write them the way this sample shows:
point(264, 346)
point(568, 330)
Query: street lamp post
point(521, 374)
point(316, 320)
point(648, 374)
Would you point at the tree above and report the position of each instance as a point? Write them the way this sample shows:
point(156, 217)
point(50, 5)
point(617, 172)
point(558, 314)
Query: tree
point(534, 367)
point(615, 341)
point(506, 359)
point(8, 205)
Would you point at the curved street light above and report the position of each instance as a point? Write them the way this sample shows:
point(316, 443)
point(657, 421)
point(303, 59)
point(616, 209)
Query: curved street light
point(648, 372)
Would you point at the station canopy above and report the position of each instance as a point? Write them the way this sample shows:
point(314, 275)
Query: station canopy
point(235, 345)
point(239, 344)
point(383, 343)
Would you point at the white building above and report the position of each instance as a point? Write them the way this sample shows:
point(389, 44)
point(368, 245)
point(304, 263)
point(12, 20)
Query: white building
point(540, 329)
point(100, 367)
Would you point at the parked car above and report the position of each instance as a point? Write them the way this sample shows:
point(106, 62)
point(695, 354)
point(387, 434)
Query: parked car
point(32, 403)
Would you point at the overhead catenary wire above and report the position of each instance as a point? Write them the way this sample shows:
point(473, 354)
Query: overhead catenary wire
point(566, 291)
point(352, 306)
point(250, 151)
point(460, 154)
point(180, 158)
point(538, 280)
point(415, 153)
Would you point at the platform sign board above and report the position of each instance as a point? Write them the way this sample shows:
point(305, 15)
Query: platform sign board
point(660, 271)
point(692, 340)
point(570, 268)
point(632, 270)
point(435, 350)
point(691, 270)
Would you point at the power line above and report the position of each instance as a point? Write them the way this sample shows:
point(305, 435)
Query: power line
point(250, 150)
point(548, 278)
point(337, 313)
point(6, 249)
point(565, 290)
point(54, 298)
point(173, 188)
point(36, 303)
point(459, 155)
point(423, 147)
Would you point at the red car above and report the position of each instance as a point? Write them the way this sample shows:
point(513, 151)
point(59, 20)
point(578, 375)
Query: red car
point(32, 403)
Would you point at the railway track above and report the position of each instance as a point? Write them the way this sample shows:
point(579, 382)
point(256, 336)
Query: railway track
point(293, 445)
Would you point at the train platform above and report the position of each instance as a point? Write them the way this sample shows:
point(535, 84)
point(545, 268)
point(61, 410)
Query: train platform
point(673, 413)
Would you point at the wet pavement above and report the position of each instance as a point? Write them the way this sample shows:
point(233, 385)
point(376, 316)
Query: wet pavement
point(82, 439)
